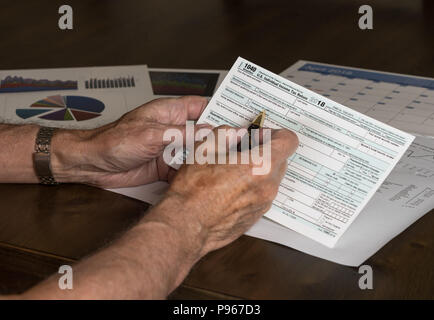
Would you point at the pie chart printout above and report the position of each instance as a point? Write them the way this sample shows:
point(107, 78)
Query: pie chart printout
point(63, 108)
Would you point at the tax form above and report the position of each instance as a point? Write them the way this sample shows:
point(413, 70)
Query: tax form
point(405, 196)
point(342, 159)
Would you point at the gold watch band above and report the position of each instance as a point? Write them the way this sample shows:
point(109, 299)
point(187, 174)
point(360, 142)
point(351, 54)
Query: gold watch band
point(41, 156)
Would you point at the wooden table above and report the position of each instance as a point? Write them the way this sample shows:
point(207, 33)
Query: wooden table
point(44, 227)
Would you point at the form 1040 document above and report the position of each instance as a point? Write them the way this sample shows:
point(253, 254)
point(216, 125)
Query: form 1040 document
point(343, 155)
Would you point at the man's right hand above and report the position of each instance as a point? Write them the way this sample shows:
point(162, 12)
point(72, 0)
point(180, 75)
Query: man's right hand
point(207, 207)
point(217, 203)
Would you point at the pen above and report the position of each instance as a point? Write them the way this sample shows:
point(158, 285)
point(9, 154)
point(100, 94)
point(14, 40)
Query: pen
point(257, 123)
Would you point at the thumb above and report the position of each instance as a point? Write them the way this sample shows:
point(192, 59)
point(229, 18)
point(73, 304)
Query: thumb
point(188, 133)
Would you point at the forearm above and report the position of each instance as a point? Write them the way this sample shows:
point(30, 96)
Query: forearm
point(17, 144)
point(69, 154)
point(149, 261)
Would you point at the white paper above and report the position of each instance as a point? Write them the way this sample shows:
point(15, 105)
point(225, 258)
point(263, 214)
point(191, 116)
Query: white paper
point(402, 101)
point(405, 196)
point(381, 220)
point(100, 95)
point(151, 193)
point(360, 241)
point(343, 156)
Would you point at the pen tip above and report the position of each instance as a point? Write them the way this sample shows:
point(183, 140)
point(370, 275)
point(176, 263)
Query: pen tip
point(259, 120)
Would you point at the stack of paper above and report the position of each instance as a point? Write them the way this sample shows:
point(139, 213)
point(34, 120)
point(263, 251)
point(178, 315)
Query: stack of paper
point(370, 183)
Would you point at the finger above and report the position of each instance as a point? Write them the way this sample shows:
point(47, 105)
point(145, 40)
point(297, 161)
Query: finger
point(175, 110)
point(194, 106)
point(176, 138)
point(220, 140)
point(277, 146)
point(165, 173)
point(282, 144)
point(171, 132)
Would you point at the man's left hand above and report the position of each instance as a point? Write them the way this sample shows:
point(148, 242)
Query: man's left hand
point(127, 152)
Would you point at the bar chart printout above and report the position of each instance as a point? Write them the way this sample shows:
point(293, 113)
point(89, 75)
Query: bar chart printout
point(342, 158)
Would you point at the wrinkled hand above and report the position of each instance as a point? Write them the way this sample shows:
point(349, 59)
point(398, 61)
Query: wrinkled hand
point(219, 202)
point(127, 152)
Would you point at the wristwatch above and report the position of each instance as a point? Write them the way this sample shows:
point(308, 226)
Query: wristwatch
point(41, 156)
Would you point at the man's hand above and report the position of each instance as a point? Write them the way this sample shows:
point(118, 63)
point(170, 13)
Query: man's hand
point(127, 152)
point(206, 207)
point(218, 203)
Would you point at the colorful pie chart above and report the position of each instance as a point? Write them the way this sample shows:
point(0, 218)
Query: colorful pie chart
point(63, 108)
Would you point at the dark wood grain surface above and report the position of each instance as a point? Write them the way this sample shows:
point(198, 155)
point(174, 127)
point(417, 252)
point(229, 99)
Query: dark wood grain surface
point(42, 227)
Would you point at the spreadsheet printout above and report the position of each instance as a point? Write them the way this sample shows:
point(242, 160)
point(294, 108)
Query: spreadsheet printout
point(402, 101)
point(342, 158)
